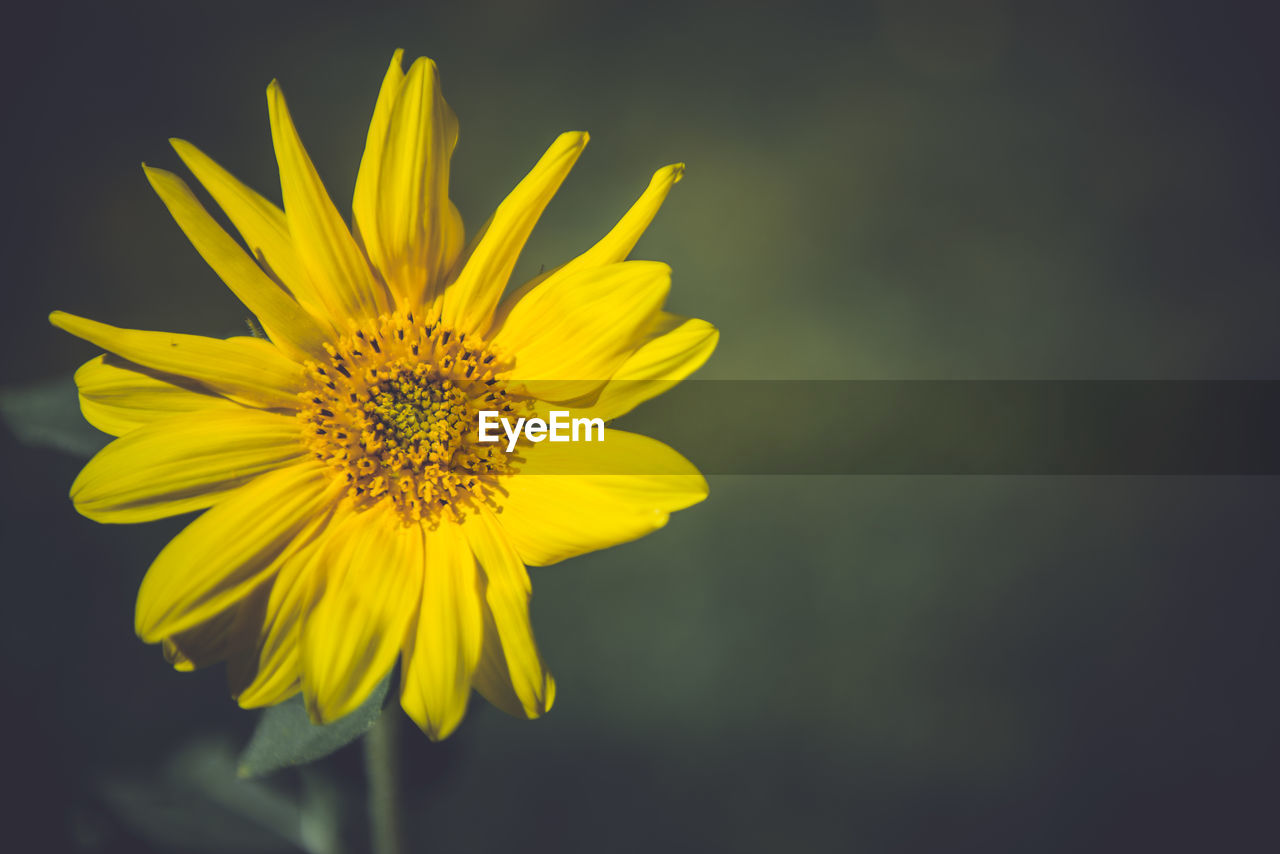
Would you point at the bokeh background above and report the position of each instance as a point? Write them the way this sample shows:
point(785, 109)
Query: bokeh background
point(892, 190)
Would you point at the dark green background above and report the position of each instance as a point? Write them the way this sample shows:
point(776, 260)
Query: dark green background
point(922, 190)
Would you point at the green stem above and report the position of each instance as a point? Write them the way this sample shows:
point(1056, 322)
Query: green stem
point(382, 768)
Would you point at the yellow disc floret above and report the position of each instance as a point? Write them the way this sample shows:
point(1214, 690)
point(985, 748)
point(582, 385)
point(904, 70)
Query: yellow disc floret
point(394, 413)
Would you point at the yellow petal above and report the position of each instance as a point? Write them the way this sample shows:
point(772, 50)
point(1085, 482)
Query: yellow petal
point(614, 246)
point(365, 201)
point(510, 657)
point(225, 553)
point(416, 231)
point(284, 321)
point(201, 646)
point(183, 463)
point(569, 335)
point(372, 569)
point(492, 679)
point(442, 652)
point(320, 237)
point(269, 670)
point(469, 301)
point(261, 224)
point(117, 396)
point(576, 497)
point(248, 370)
point(622, 238)
point(674, 348)
point(221, 638)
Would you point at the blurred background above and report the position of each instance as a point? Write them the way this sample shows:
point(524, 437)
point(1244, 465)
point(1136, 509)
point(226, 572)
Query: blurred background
point(893, 190)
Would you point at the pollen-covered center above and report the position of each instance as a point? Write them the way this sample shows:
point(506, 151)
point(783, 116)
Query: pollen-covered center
point(394, 412)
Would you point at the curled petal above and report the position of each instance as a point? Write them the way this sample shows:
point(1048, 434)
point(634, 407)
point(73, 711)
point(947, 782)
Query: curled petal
point(410, 230)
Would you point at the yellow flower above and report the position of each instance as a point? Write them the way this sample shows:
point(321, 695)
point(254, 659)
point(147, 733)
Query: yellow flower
point(351, 515)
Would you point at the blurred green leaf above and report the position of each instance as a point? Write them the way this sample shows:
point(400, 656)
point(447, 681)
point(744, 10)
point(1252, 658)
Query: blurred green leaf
point(196, 804)
point(285, 736)
point(47, 414)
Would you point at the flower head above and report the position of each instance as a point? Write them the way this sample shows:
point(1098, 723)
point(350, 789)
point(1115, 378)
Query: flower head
point(351, 515)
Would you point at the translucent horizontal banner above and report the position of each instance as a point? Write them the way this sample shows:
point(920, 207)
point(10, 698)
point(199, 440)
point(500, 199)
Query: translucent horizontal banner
point(945, 427)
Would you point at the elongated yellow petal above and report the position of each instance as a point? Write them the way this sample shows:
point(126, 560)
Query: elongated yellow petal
point(373, 582)
point(575, 497)
point(441, 654)
point(320, 237)
point(183, 463)
point(571, 334)
point(614, 246)
point(261, 224)
point(494, 681)
point(417, 231)
point(271, 672)
point(269, 669)
point(674, 348)
point(622, 238)
point(284, 321)
point(245, 369)
point(117, 396)
point(217, 559)
point(365, 202)
point(507, 591)
point(469, 301)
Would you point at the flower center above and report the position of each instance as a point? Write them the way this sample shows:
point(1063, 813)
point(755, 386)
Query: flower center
point(394, 412)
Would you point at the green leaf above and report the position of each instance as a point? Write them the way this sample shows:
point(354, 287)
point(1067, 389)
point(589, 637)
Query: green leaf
point(285, 735)
point(194, 803)
point(47, 414)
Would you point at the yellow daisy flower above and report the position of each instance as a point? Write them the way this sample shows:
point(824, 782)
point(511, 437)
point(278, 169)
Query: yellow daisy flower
point(351, 514)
